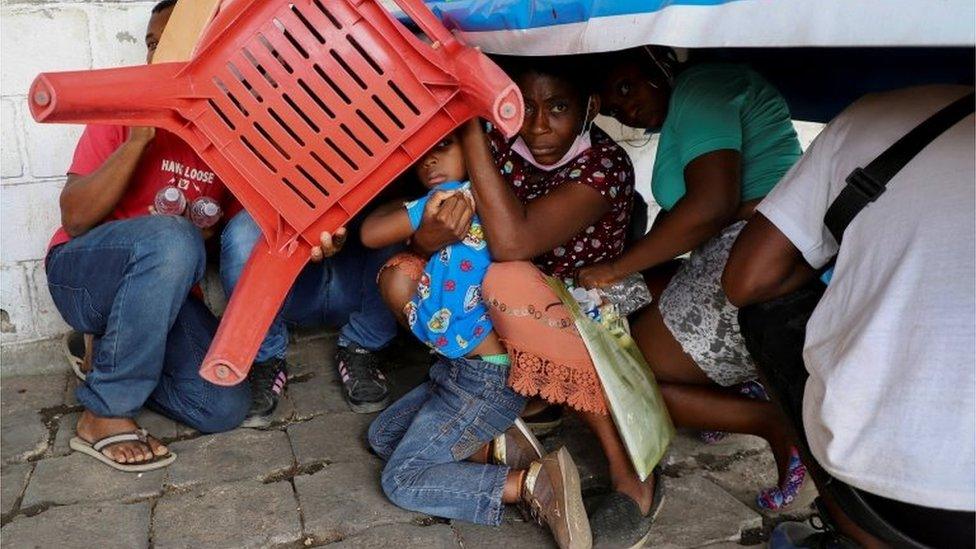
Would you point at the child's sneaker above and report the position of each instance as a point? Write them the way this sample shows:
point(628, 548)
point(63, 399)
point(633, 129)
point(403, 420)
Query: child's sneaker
point(517, 447)
point(552, 491)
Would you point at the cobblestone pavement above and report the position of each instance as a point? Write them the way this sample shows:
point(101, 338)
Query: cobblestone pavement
point(310, 481)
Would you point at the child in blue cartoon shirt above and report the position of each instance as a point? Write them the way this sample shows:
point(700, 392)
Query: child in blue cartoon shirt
point(454, 446)
point(447, 313)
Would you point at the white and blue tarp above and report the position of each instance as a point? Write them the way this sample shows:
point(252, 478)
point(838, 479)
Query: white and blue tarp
point(558, 27)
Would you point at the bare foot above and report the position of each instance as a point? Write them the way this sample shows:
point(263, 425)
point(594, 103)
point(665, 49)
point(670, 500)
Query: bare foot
point(92, 428)
point(641, 492)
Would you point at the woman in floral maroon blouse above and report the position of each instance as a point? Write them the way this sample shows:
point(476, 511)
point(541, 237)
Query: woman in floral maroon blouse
point(553, 200)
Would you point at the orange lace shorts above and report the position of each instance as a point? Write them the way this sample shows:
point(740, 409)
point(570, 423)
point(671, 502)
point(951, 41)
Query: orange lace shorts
point(549, 358)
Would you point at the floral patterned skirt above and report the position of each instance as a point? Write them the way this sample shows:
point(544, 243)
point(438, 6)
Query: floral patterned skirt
point(700, 317)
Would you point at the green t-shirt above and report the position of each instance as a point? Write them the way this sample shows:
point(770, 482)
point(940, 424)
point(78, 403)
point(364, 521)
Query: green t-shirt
point(724, 106)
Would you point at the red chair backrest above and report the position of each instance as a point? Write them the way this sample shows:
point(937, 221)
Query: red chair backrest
point(306, 109)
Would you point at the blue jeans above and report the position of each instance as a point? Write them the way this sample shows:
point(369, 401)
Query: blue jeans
point(341, 291)
point(127, 282)
point(425, 435)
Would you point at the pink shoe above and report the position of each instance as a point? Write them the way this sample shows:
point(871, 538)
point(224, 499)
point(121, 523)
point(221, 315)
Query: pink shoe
point(795, 490)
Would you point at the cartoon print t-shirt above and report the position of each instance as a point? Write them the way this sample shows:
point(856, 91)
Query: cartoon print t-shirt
point(166, 161)
point(447, 312)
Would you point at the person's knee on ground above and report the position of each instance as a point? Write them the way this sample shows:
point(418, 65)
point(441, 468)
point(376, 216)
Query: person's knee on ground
point(377, 442)
point(396, 485)
point(217, 419)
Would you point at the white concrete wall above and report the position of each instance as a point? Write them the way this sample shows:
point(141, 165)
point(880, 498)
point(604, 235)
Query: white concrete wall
point(39, 37)
point(72, 35)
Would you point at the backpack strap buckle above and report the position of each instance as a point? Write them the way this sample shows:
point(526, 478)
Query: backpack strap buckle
point(865, 185)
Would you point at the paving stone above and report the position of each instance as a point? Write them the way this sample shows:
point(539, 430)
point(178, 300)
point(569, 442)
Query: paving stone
point(66, 431)
point(331, 438)
point(315, 396)
point(745, 477)
point(22, 435)
point(344, 499)
point(510, 533)
point(687, 451)
point(108, 525)
point(78, 477)
point(312, 355)
point(399, 536)
point(240, 514)
point(33, 393)
point(696, 512)
point(236, 455)
point(13, 479)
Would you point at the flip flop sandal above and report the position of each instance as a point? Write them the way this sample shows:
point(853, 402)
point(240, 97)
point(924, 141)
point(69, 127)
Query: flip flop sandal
point(76, 347)
point(94, 449)
point(618, 523)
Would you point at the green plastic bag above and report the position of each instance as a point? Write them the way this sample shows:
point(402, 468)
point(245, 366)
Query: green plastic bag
point(632, 394)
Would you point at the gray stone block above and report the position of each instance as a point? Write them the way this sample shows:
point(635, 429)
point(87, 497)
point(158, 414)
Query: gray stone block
point(13, 479)
point(236, 455)
point(80, 478)
point(687, 451)
point(66, 431)
point(310, 355)
point(20, 393)
point(22, 435)
point(317, 395)
point(345, 499)
point(331, 438)
point(400, 536)
point(510, 534)
point(109, 525)
point(240, 514)
point(696, 512)
point(745, 477)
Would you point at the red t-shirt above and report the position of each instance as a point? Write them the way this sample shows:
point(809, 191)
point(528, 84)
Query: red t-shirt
point(606, 168)
point(166, 161)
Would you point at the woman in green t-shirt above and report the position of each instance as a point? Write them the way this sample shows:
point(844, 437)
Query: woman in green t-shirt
point(726, 139)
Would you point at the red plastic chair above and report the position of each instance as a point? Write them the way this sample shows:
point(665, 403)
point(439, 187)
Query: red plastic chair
point(306, 109)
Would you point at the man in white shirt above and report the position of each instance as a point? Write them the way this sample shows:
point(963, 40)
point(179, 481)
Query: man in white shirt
point(890, 348)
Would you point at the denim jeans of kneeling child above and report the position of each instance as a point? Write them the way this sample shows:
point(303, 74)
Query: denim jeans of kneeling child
point(425, 436)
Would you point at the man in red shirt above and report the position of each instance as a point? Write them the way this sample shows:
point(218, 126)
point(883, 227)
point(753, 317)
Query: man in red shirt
point(125, 276)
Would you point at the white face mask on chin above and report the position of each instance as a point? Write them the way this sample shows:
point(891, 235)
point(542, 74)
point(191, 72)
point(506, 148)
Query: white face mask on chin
point(580, 144)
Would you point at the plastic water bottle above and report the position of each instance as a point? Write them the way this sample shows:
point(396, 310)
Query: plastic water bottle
point(169, 201)
point(205, 212)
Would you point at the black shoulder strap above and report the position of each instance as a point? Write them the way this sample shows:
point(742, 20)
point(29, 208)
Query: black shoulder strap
point(865, 185)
